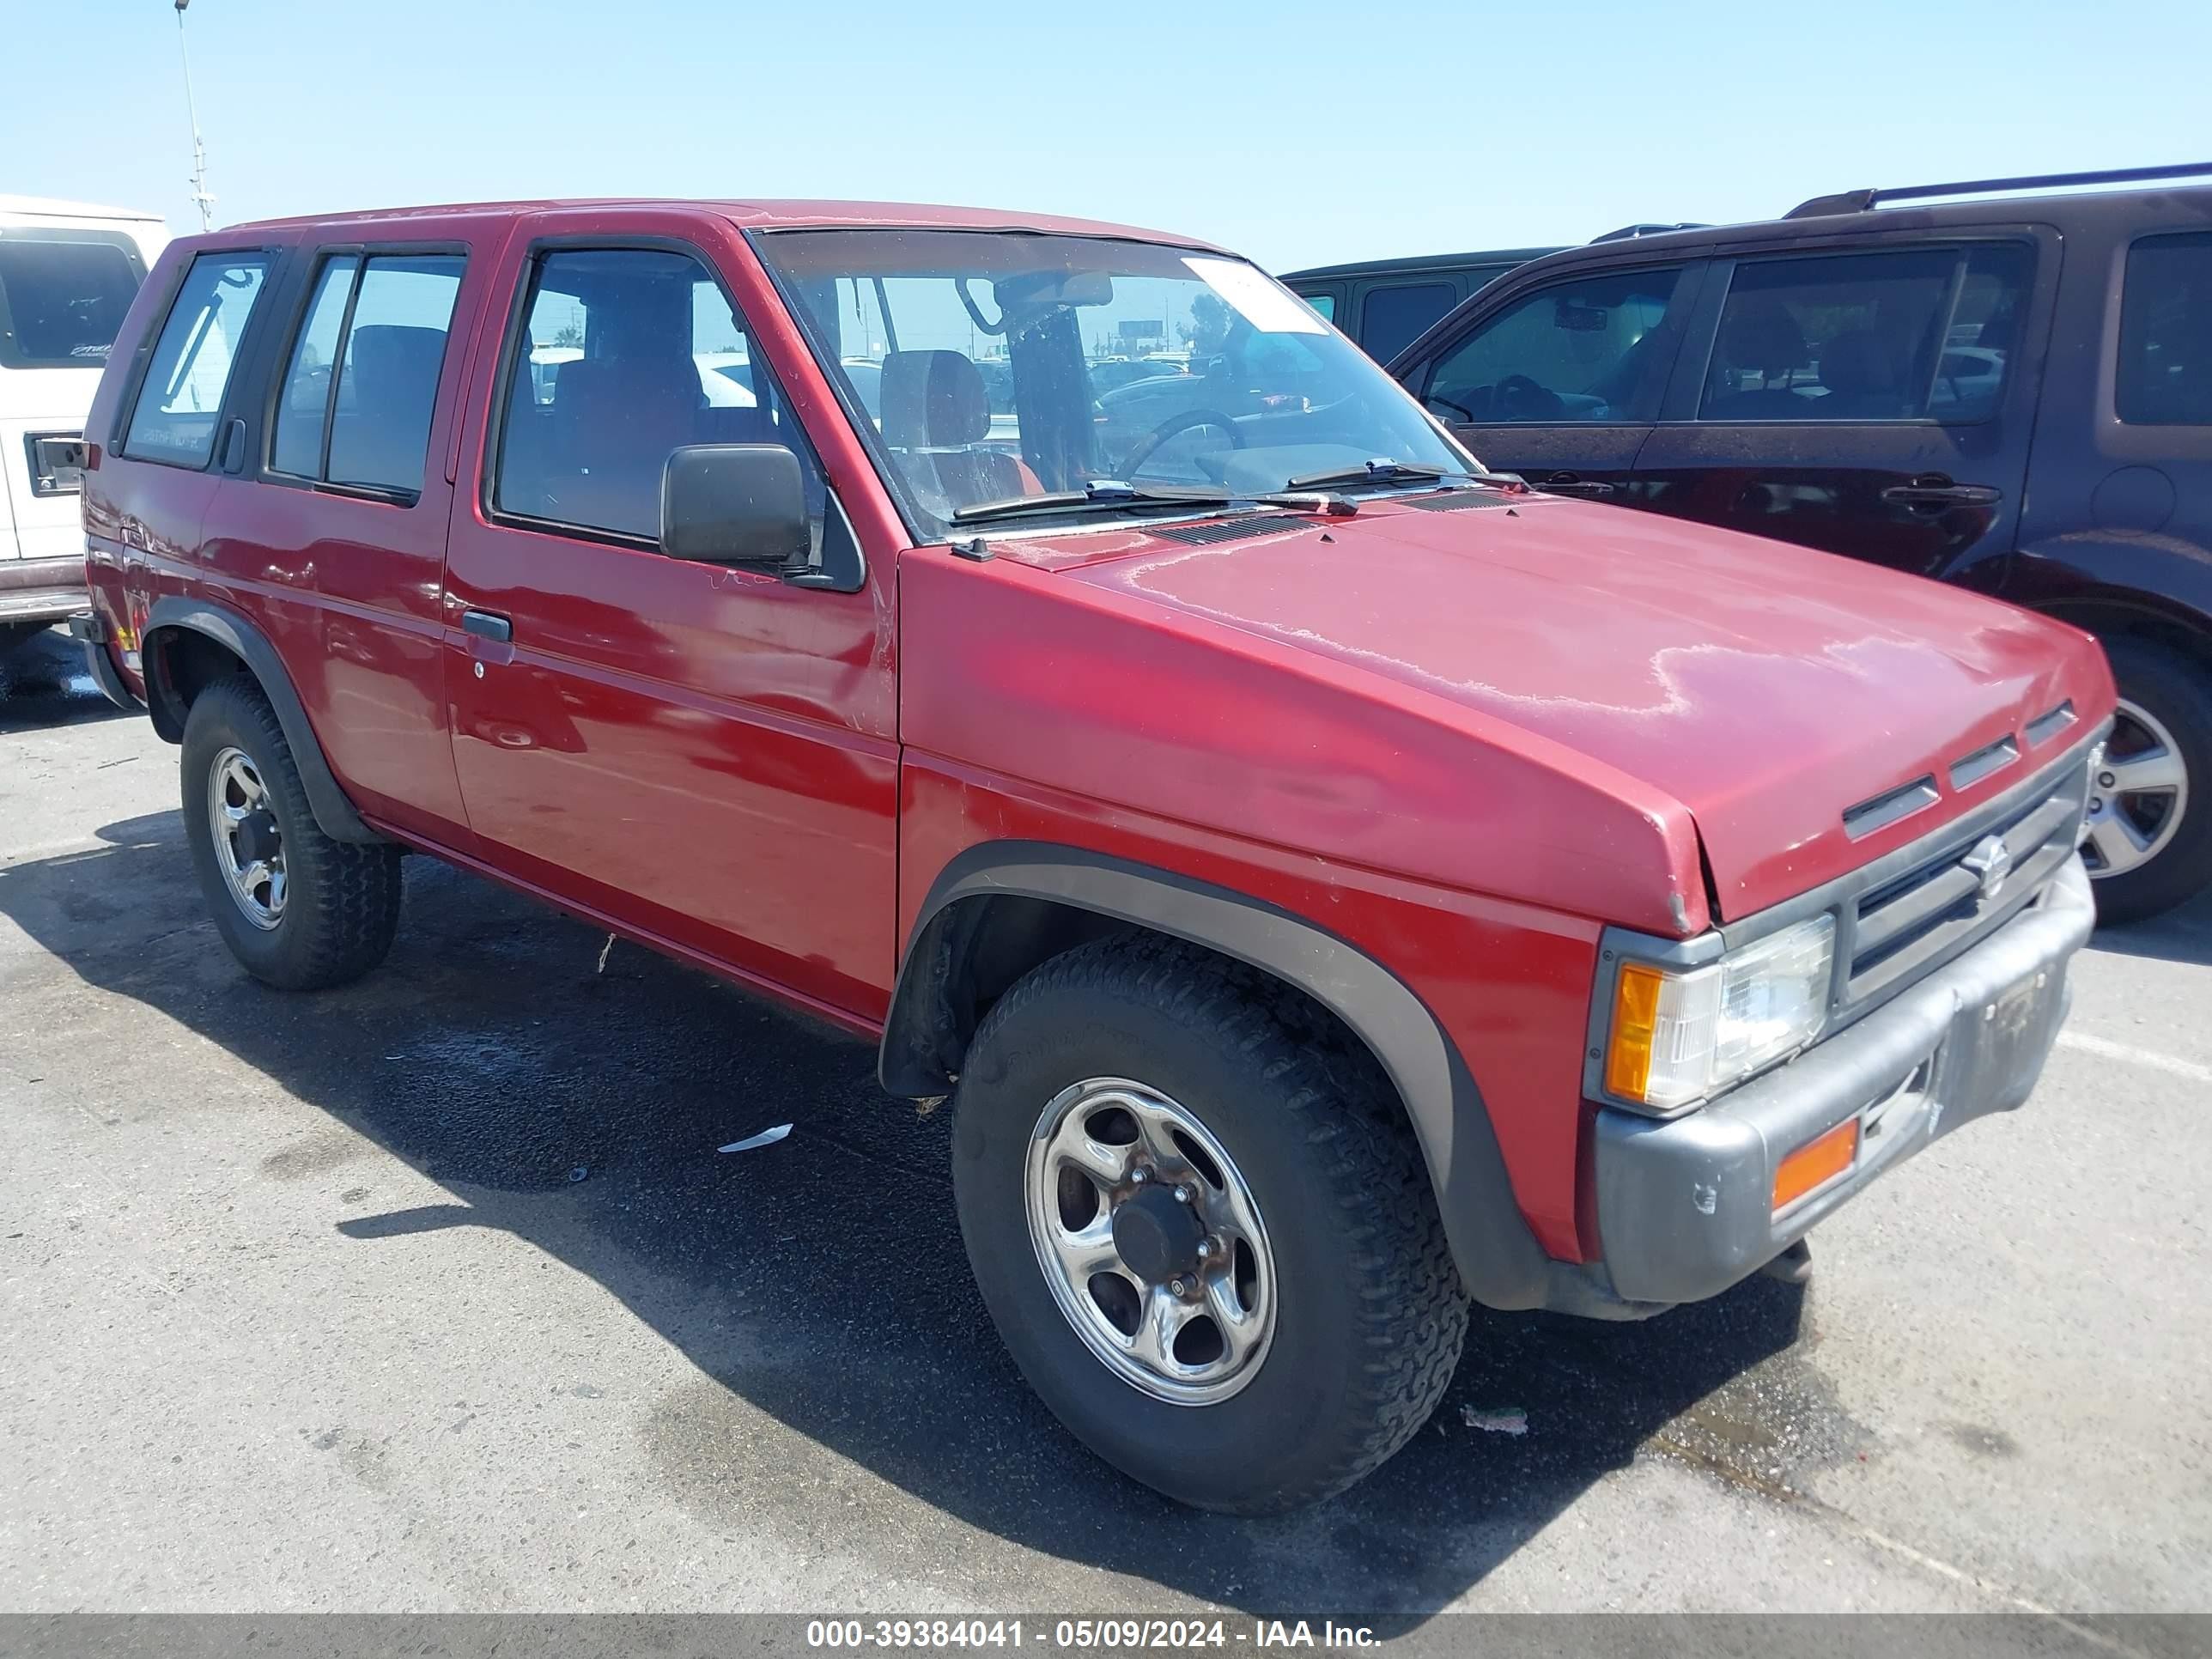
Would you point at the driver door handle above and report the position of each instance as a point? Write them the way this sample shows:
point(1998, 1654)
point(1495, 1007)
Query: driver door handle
point(1568, 483)
point(1939, 491)
point(488, 625)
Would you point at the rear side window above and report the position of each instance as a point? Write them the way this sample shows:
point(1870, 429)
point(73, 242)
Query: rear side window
point(361, 384)
point(174, 417)
point(1913, 334)
point(627, 353)
point(1594, 348)
point(2164, 372)
point(63, 296)
point(1323, 303)
point(1390, 317)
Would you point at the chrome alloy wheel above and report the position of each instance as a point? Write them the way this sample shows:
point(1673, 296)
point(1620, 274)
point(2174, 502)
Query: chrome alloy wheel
point(1150, 1241)
point(2137, 796)
point(249, 849)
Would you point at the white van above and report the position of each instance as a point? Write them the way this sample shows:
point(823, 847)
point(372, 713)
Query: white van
point(68, 273)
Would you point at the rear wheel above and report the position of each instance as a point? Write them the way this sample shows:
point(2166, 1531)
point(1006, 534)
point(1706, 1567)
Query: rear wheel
point(1205, 1231)
point(2150, 804)
point(298, 909)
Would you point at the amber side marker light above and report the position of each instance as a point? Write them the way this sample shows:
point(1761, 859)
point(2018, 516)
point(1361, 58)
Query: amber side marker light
point(1816, 1162)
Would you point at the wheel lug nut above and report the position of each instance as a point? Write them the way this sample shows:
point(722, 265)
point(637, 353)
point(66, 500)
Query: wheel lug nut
point(1182, 1194)
point(1140, 1175)
point(1179, 1286)
point(2105, 779)
point(2096, 803)
point(1205, 1247)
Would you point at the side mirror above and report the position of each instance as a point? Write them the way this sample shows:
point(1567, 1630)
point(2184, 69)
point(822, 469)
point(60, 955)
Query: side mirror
point(734, 504)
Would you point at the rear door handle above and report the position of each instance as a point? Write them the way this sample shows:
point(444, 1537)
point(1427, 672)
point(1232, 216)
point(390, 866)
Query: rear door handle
point(488, 625)
point(1568, 483)
point(1944, 493)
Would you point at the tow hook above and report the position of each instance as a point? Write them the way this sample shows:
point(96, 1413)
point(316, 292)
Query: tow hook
point(1793, 1266)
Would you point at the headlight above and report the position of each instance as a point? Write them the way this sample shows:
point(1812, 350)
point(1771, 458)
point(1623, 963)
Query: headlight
point(1679, 1034)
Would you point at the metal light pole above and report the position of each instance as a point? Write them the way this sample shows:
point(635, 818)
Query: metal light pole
point(199, 150)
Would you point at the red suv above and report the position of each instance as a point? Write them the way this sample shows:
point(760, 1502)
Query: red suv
point(1334, 883)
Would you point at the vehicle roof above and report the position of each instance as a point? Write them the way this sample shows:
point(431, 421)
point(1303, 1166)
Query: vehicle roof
point(54, 206)
point(768, 214)
point(2081, 208)
point(1423, 262)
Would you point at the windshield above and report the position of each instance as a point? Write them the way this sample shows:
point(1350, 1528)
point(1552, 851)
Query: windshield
point(63, 296)
point(1000, 365)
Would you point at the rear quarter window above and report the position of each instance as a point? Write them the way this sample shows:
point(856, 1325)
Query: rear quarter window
point(63, 296)
point(189, 373)
point(2164, 376)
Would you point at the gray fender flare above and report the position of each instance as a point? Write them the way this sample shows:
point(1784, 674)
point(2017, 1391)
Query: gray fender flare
point(336, 815)
point(1499, 1258)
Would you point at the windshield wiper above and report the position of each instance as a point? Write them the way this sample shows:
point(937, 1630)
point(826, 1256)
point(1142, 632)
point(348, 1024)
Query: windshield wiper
point(1384, 471)
point(1107, 496)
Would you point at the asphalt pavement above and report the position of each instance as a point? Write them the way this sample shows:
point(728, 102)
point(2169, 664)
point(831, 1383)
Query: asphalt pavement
point(434, 1293)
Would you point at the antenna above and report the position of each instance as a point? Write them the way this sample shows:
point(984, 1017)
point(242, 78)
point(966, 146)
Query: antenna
point(206, 202)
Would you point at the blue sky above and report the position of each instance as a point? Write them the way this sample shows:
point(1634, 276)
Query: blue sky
point(1292, 133)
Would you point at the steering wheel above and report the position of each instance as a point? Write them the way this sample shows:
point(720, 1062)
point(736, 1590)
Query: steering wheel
point(1520, 398)
point(1143, 449)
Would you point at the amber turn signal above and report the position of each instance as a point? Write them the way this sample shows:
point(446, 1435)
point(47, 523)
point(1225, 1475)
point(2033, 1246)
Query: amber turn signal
point(1635, 1026)
point(1816, 1162)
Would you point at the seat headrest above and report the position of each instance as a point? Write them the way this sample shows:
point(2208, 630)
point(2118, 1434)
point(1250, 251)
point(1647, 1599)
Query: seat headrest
point(1855, 364)
point(1763, 337)
point(933, 400)
point(393, 364)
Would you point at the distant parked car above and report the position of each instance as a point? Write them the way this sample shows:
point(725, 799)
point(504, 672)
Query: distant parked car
point(68, 274)
point(1932, 389)
point(1384, 303)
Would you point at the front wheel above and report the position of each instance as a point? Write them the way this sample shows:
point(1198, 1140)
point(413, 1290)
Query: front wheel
point(298, 911)
point(1204, 1231)
point(2150, 804)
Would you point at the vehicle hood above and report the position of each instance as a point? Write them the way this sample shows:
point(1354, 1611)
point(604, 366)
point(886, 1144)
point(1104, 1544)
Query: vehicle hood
point(1765, 687)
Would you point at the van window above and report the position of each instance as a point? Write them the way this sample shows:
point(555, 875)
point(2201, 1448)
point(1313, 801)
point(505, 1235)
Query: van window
point(361, 383)
point(175, 416)
point(1390, 317)
point(1589, 349)
point(627, 353)
point(63, 296)
point(2165, 371)
point(1323, 303)
point(1909, 334)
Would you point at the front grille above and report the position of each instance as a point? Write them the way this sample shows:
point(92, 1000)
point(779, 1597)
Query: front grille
point(1938, 903)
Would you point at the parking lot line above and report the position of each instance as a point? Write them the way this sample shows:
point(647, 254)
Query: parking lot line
point(2170, 1064)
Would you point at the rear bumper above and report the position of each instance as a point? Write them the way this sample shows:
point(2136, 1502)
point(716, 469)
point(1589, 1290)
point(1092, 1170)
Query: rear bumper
point(1684, 1207)
point(41, 590)
point(89, 630)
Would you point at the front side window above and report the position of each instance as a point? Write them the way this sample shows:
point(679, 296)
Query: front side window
point(627, 355)
point(63, 296)
point(1008, 366)
point(1922, 333)
point(1591, 349)
point(2165, 371)
point(361, 383)
point(174, 418)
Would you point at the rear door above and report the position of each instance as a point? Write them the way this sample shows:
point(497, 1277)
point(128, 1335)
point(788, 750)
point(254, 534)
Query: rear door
point(1561, 382)
point(1873, 398)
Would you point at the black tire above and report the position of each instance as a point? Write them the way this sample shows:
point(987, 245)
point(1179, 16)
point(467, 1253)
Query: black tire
point(1369, 1313)
point(2177, 692)
point(341, 905)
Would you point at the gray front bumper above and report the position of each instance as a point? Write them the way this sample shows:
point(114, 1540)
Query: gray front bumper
point(1685, 1207)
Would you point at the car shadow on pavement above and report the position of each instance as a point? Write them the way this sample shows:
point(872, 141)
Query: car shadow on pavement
point(818, 1284)
point(2182, 934)
point(44, 682)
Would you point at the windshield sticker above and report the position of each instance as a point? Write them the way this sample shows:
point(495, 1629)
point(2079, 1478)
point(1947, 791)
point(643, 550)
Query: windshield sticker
point(1270, 309)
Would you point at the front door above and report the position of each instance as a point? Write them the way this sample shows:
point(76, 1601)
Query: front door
point(705, 755)
point(1561, 383)
point(1873, 400)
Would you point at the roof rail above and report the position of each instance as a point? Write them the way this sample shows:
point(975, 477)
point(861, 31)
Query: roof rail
point(1628, 232)
point(1858, 201)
